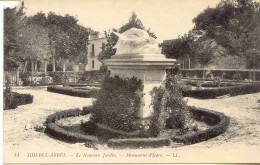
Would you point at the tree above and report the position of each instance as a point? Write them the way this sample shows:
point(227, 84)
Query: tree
point(183, 48)
point(67, 37)
point(13, 21)
point(232, 24)
point(67, 40)
point(35, 42)
point(42, 38)
point(207, 51)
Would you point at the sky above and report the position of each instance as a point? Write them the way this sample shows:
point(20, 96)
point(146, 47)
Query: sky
point(166, 18)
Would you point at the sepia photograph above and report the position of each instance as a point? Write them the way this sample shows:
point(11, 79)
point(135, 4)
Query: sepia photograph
point(131, 81)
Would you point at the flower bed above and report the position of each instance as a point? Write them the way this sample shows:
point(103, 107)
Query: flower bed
point(233, 91)
point(218, 123)
point(72, 91)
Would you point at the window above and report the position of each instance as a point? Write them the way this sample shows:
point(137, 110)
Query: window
point(93, 64)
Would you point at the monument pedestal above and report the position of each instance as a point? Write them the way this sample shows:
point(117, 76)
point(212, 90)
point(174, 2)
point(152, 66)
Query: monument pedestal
point(150, 68)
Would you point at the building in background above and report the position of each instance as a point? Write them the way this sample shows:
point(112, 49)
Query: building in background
point(96, 45)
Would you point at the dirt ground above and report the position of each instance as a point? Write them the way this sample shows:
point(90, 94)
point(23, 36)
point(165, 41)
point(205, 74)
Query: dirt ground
point(240, 143)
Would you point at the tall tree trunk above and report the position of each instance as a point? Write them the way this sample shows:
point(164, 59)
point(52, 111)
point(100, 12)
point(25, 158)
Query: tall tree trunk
point(253, 78)
point(25, 65)
point(17, 77)
point(35, 67)
point(188, 62)
point(64, 66)
point(53, 66)
point(32, 64)
point(45, 66)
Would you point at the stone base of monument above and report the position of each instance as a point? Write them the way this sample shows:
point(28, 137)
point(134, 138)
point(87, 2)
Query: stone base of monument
point(150, 68)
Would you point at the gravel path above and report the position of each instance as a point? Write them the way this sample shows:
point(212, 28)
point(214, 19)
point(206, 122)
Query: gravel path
point(241, 142)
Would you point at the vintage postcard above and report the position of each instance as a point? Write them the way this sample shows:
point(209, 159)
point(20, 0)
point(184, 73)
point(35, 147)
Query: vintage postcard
point(131, 81)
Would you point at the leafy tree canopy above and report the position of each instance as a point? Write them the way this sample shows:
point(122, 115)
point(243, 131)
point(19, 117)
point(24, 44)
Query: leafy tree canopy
point(233, 24)
point(42, 37)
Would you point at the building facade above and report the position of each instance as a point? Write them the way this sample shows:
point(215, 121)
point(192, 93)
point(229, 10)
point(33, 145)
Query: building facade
point(96, 45)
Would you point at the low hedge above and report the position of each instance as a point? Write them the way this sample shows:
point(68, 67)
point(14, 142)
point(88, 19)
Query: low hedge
point(138, 143)
point(224, 73)
point(12, 100)
point(84, 85)
point(219, 121)
point(213, 93)
point(108, 129)
point(63, 114)
point(211, 84)
point(73, 92)
point(60, 133)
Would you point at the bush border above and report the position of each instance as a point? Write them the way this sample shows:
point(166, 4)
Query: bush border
point(211, 84)
point(107, 128)
point(73, 92)
point(215, 130)
point(232, 90)
point(62, 134)
point(84, 84)
point(218, 124)
point(15, 99)
point(138, 143)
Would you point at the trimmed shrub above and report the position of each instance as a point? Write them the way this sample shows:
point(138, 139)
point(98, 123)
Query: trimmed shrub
point(87, 110)
point(73, 92)
point(89, 127)
point(219, 121)
point(233, 91)
point(117, 101)
point(12, 99)
point(236, 77)
point(138, 143)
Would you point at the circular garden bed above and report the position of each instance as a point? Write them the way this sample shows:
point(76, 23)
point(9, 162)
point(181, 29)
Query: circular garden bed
point(73, 126)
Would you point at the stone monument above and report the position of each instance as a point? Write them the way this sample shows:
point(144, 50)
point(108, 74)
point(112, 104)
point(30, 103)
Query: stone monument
point(138, 55)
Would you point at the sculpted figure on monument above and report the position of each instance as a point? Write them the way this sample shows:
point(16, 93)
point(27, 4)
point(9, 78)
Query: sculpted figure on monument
point(136, 41)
